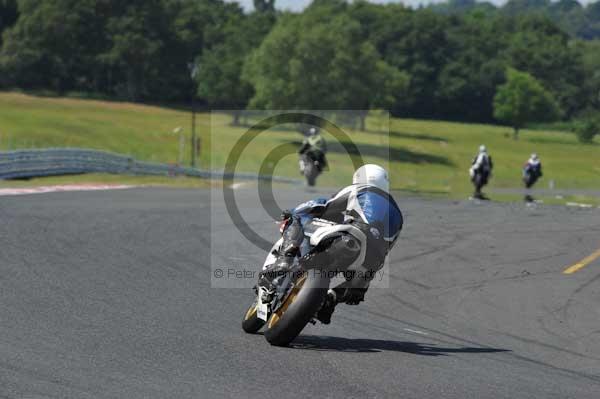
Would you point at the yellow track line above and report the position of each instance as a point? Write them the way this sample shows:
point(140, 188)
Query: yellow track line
point(582, 263)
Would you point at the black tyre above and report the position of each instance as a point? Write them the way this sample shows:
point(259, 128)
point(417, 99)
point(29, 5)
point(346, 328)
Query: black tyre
point(478, 182)
point(311, 174)
point(529, 180)
point(301, 305)
point(251, 323)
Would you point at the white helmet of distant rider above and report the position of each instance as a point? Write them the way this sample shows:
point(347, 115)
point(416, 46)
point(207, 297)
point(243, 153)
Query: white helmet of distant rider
point(482, 149)
point(373, 175)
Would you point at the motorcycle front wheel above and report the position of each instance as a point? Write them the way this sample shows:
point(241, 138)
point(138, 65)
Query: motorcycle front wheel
point(251, 323)
point(300, 306)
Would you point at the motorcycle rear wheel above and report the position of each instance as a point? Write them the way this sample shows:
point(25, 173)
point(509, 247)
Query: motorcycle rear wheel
point(303, 302)
point(310, 172)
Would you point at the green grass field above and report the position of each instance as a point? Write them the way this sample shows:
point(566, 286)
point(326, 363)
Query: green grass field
point(427, 157)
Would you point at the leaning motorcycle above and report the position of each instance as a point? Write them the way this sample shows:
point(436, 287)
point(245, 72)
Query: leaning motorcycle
point(300, 292)
point(530, 177)
point(479, 178)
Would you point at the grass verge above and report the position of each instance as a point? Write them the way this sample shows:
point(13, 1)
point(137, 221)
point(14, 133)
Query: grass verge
point(426, 157)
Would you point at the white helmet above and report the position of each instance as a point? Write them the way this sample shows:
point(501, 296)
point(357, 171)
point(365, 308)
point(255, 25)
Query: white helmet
point(534, 156)
point(482, 149)
point(312, 131)
point(373, 175)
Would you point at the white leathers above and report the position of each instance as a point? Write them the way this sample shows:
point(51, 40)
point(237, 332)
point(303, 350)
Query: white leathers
point(481, 160)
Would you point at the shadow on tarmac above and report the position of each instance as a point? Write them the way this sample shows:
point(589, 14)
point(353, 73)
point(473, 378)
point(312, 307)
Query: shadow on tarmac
point(337, 344)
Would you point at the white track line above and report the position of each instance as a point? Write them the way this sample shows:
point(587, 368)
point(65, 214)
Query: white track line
point(235, 186)
point(62, 188)
point(415, 331)
point(579, 205)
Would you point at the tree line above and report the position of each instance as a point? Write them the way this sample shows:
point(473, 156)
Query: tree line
point(574, 18)
point(140, 50)
point(432, 62)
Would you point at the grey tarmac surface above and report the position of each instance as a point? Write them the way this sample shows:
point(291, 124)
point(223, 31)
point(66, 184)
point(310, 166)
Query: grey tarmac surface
point(108, 295)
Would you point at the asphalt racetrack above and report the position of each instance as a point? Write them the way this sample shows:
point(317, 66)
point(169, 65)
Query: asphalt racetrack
point(108, 295)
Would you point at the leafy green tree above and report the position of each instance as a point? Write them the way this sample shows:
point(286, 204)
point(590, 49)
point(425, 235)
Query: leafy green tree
point(139, 50)
point(219, 79)
point(53, 45)
point(540, 48)
point(264, 6)
point(467, 82)
point(570, 15)
point(139, 32)
point(385, 27)
point(587, 130)
point(462, 7)
point(329, 56)
point(195, 25)
point(591, 63)
point(412, 41)
point(320, 61)
point(564, 6)
point(418, 44)
point(9, 12)
point(520, 7)
point(591, 29)
point(522, 99)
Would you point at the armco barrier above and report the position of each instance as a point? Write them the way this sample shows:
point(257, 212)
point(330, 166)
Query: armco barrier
point(63, 161)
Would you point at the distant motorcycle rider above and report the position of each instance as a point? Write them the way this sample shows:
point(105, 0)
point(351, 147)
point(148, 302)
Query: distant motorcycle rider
point(481, 171)
point(532, 170)
point(314, 146)
point(366, 204)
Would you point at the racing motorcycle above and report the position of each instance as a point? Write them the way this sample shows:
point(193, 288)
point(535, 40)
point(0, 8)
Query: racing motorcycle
point(300, 293)
point(480, 179)
point(310, 167)
point(530, 176)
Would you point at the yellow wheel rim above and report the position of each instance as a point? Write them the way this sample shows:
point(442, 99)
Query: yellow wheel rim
point(251, 312)
point(275, 317)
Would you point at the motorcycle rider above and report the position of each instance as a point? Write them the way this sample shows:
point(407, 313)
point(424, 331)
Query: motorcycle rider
point(314, 146)
point(481, 171)
point(532, 171)
point(366, 204)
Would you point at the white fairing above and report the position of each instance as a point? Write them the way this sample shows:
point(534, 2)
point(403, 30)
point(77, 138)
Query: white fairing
point(271, 258)
point(262, 309)
point(321, 233)
point(327, 230)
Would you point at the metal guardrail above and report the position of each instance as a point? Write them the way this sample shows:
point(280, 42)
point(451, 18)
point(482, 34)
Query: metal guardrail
point(65, 161)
